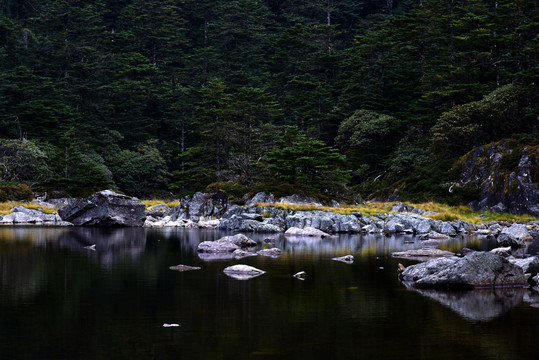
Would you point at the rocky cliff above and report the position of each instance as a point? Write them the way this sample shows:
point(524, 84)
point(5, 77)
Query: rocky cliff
point(505, 174)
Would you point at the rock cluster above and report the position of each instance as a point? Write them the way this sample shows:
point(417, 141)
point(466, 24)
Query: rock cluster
point(475, 270)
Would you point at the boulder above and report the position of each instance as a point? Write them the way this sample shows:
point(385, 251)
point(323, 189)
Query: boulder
point(502, 251)
point(201, 205)
point(307, 231)
point(529, 265)
point(475, 270)
point(261, 197)
point(300, 199)
point(514, 235)
point(105, 208)
point(242, 272)
point(226, 244)
point(217, 247)
point(159, 210)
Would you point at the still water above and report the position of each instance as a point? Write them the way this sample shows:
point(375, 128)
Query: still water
point(59, 300)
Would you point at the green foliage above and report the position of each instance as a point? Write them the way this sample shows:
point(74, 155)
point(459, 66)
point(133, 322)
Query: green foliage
point(510, 160)
point(368, 139)
point(14, 192)
point(479, 122)
point(140, 172)
point(309, 163)
point(217, 82)
point(22, 160)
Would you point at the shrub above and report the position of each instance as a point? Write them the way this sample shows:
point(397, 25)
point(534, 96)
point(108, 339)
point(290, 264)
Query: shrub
point(14, 192)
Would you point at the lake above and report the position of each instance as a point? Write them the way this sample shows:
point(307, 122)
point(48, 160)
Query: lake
point(59, 300)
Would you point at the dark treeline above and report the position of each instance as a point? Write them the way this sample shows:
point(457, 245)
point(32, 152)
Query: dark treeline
point(169, 97)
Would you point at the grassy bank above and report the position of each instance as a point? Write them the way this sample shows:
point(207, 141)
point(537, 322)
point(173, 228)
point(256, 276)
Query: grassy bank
point(5, 207)
point(444, 212)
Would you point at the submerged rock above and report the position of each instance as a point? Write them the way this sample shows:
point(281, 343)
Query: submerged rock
point(273, 252)
point(243, 272)
point(105, 208)
point(475, 270)
point(349, 259)
point(184, 267)
point(422, 254)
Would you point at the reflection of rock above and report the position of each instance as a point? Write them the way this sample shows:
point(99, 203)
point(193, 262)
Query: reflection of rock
point(242, 272)
point(240, 254)
point(110, 243)
point(273, 252)
point(226, 244)
point(479, 304)
point(184, 267)
point(216, 256)
point(105, 208)
point(478, 269)
point(349, 259)
point(422, 254)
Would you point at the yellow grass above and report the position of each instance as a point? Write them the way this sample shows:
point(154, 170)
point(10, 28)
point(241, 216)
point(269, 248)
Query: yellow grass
point(445, 212)
point(5, 207)
point(153, 202)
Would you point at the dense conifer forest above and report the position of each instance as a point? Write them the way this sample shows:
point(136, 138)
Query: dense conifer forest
point(336, 97)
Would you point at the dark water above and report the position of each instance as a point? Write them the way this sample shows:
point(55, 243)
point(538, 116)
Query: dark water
point(59, 300)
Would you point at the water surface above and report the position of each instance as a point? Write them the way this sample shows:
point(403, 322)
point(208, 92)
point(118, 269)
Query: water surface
point(59, 300)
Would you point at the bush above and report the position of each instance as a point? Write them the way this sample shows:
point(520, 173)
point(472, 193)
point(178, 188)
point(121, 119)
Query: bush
point(15, 192)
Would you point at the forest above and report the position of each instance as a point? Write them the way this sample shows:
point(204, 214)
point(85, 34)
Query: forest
point(342, 98)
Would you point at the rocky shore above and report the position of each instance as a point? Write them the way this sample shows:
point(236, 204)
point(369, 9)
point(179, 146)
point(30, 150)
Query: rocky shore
point(204, 210)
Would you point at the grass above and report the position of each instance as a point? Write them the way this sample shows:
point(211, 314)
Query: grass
point(5, 207)
point(153, 202)
point(444, 212)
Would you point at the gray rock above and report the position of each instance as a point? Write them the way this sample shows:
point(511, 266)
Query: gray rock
point(514, 190)
point(302, 275)
point(226, 244)
point(515, 235)
point(238, 239)
point(502, 251)
point(529, 265)
point(243, 272)
point(217, 247)
point(105, 208)
point(300, 199)
point(201, 205)
point(307, 231)
point(273, 252)
point(475, 270)
point(261, 197)
point(433, 235)
point(159, 210)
